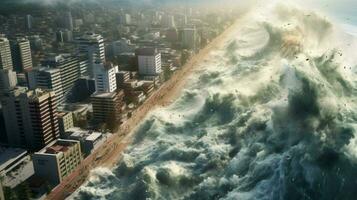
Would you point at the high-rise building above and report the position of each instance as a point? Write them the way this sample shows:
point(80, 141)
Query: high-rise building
point(105, 76)
point(125, 19)
point(36, 42)
point(172, 35)
point(64, 36)
point(180, 20)
point(5, 53)
point(58, 160)
point(149, 61)
point(84, 66)
point(68, 21)
point(189, 38)
point(8, 80)
point(168, 21)
point(47, 78)
point(92, 46)
point(30, 118)
point(107, 106)
point(21, 55)
point(69, 67)
point(28, 22)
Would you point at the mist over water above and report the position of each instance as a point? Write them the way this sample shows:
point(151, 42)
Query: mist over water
point(272, 115)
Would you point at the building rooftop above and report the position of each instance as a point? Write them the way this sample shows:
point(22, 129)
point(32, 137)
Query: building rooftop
point(79, 133)
point(10, 155)
point(89, 36)
point(58, 146)
point(62, 114)
point(47, 69)
point(94, 136)
point(147, 52)
point(104, 95)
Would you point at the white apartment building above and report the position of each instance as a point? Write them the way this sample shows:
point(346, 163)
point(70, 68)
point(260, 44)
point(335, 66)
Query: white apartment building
point(91, 45)
point(105, 76)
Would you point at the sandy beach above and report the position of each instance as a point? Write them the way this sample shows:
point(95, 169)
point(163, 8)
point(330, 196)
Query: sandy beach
point(110, 153)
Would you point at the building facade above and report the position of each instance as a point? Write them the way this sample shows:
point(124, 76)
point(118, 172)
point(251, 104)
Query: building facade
point(189, 38)
point(5, 53)
point(105, 77)
point(107, 106)
point(47, 78)
point(30, 117)
point(65, 121)
point(70, 70)
point(92, 46)
point(21, 55)
point(58, 160)
point(8, 81)
point(149, 61)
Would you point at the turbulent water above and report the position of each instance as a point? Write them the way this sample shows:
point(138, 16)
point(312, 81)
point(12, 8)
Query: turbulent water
point(272, 115)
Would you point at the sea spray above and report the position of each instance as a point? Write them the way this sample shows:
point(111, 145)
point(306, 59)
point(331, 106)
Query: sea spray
point(273, 119)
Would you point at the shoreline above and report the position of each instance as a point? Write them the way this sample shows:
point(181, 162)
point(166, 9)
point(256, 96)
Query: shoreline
point(110, 153)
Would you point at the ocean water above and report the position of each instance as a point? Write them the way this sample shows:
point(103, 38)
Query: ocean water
point(271, 115)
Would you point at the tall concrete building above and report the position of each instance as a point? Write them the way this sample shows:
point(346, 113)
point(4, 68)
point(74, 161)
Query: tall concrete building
point(28, 22)
point(107, 106)
point(105, 76)
point(68, 21)
point(5, 53)
point(64, 35)
point(189, 38)
point(92, 46)
point(21, 55)
point(58, 160)
point(31, 118)
point(8, 80)
point(47, 78)
point(36, 42)
point(168, 21)
point(125, 19)
point(149, 61)
point(69, 67)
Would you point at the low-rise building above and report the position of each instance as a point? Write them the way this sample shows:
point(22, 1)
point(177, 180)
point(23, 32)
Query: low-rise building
point(57, 160)
point(15, 166)
point(65, 121)
point(90, 140)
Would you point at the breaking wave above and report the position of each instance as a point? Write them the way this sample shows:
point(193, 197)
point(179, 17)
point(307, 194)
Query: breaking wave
point(271, 116)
